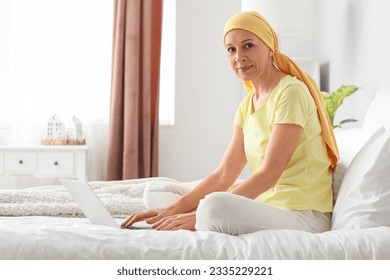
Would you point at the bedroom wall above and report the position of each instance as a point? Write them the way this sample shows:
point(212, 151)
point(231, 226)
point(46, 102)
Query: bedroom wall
point(352, 41)
point(207, 92)
point(348, 37)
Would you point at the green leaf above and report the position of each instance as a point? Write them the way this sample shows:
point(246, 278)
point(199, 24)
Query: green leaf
point(343, 122)
point(335, 99)
point(347, 121)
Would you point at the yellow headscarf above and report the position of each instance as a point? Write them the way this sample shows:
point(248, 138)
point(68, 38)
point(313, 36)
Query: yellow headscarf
point(255, 23)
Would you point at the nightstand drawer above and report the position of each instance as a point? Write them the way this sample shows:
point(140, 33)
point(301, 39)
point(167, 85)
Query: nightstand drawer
point(55, 164)
point(44, 161)
point(20, 162)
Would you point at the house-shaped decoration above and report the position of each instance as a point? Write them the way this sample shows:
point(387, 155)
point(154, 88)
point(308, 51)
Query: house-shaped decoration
point(55, 132)
point(74, 132)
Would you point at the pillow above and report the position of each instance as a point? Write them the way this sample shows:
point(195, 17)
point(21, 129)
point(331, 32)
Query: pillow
point(378, 111)
point(350, 142)
point(364, 196)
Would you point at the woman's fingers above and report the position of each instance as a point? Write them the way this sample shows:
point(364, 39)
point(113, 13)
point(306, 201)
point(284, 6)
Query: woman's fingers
point(161, 215)
point(163, 219)
point(176, 222)
point(140, 216)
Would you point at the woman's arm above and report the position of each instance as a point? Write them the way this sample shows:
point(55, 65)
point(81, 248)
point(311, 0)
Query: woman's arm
point(283, 142)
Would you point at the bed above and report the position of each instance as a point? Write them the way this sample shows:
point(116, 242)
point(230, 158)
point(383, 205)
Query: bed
point(44, 223)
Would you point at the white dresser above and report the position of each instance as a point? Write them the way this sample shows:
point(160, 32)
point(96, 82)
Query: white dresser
point(44, 161)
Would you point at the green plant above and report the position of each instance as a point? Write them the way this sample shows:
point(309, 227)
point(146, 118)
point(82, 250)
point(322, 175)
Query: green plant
point(333, 101)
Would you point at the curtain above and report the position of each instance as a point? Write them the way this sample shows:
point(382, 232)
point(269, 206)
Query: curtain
point(133, 127)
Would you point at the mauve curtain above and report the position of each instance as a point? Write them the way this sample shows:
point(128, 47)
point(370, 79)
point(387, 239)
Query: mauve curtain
point(133, 130)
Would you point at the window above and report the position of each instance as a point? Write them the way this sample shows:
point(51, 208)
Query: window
point(167, 67)
point(55, 59)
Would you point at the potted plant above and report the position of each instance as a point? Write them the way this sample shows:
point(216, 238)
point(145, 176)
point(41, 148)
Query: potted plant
point(334, 100)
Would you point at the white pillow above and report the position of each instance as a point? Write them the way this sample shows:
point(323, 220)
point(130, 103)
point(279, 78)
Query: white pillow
point(364, 196)
point(350, 142)
point(378, 111)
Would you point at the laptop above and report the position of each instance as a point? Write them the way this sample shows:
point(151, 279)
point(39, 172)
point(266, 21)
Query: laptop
point(93, 207)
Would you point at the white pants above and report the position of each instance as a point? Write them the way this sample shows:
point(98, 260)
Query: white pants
point(234, 214)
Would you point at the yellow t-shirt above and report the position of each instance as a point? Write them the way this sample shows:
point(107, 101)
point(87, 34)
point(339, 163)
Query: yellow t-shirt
point(306, 182)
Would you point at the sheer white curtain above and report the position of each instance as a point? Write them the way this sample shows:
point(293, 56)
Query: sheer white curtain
point(55, 58)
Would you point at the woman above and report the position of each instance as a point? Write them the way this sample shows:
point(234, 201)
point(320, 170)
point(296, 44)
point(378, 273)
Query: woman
point(281, 130)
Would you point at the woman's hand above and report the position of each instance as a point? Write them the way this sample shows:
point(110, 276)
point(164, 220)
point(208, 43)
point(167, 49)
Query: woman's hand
point(151, 216)
point(163, 219)
point(141, 216)
point(180, 221)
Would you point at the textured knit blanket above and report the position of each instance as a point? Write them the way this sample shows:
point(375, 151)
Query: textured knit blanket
point(121, 198)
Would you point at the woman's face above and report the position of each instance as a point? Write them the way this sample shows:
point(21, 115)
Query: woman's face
point(248, 56)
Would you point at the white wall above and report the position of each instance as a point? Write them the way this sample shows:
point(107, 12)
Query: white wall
point(293, 22)
point(349, 37)
point(207, 92)
point(353, 42)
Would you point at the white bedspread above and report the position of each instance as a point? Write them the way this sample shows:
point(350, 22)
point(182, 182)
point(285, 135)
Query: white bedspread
point(43, 223)
point(75, 238)
point(121, 198)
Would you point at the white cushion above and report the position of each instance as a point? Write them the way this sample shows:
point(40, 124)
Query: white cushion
point(350, 142)
point(364, 197)
point(378, 111)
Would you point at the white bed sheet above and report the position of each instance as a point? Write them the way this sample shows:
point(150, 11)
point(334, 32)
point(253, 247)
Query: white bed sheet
point(43, 238)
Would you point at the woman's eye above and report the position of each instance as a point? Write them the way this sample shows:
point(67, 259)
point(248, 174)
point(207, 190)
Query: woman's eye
point(231, 49)
point(249, 45)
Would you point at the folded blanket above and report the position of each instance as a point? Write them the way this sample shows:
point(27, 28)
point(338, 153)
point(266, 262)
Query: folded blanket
point(121, 198)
